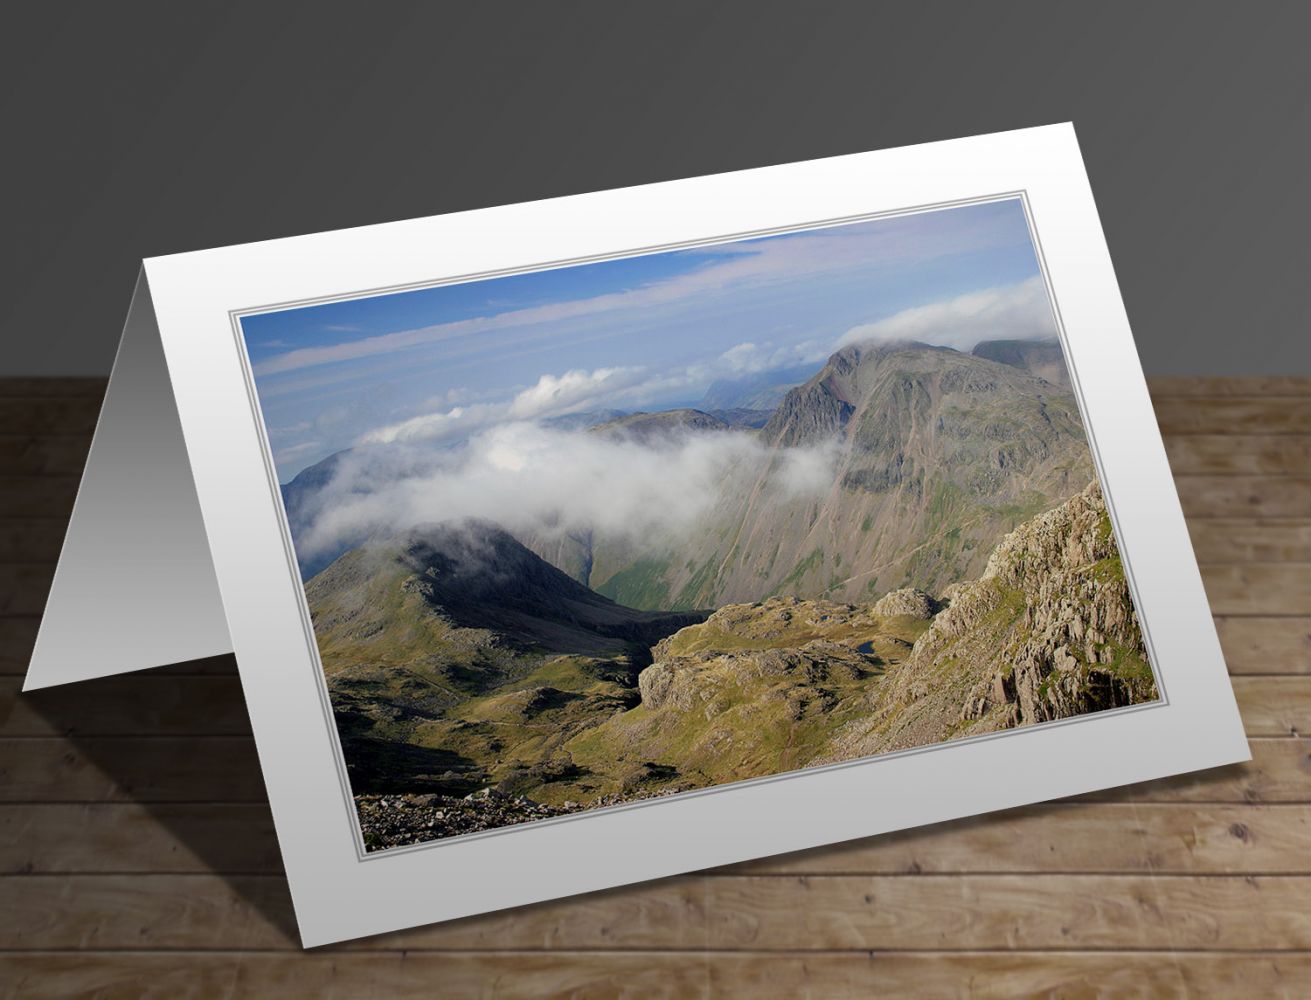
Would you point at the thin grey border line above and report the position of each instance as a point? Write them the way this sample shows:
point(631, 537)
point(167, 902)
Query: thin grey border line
point(235, 316)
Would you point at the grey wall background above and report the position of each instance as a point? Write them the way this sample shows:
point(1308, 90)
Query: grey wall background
point(136, 129)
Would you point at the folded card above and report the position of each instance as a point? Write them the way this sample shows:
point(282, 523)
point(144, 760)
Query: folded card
point(575, 543)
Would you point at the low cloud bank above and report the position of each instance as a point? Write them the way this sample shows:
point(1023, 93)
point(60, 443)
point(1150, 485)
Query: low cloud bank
point(1013, 312)
point(537, 480)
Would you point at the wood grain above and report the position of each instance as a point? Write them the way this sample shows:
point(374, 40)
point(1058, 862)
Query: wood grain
point(1255, 589)
point(1264, 645)
point(1245, 496)
point(158, 704)
point(1249, 541)
point(1239, 454)
point(137, 854)
point(151, 769)
point(774, 913)
point(1234, 415)
point(666, 974)
point(1166, 386)
point(34, 455)
point(1125, 837)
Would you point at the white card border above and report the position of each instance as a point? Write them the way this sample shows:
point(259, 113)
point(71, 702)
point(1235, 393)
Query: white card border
point(336, 894)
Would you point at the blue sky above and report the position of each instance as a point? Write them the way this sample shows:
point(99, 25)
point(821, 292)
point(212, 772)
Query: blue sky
point(638, 333)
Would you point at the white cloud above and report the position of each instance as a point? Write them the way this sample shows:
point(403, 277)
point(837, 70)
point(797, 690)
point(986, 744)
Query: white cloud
point(571, 391)
point(534, 479)
point(1012, 312)
point(552, 395)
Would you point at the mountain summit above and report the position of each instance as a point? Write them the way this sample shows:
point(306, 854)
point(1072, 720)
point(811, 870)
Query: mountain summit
point(936, 453)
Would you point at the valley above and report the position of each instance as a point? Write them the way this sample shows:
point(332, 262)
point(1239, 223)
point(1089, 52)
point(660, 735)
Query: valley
point(957, 575)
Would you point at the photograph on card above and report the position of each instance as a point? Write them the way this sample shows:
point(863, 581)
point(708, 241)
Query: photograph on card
point(594, 534)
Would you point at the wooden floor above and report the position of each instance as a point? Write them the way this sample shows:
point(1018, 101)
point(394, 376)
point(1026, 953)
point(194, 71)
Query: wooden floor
point(138, 855)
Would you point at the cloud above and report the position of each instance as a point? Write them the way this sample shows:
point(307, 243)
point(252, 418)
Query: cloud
point(753, 359)
point(1012, 312)
point(887, 242)
point(552, 395)
point(571, 391)
point(541, 481)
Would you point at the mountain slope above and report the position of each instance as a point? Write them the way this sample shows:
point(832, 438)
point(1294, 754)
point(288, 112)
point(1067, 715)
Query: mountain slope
point(935, 454)
point(420, 633)
point(1049, 631)
point(1043, 358)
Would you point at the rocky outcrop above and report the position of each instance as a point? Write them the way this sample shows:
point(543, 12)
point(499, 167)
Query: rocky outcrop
point(1077, 645)
point(907, 601)
point(1047, 632)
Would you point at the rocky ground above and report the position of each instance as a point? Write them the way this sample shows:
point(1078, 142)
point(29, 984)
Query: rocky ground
point(396, 820)
point(400, 820)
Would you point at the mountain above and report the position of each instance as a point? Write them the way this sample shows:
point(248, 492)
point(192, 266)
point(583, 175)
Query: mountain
point(582, 421)
point(476, 686)
point(935, 454)
point(429, 638)
point(1047, 632)
point(642, 426)
point(1043, 358)
point(761, 391)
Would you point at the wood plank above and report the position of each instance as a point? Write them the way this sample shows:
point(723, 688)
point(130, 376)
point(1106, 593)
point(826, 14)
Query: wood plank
point(226, 769)
point(1061, 837)
point(1021, 912)
point(138, 838)
point(61, 385)
point(1279, 771)
point(38, 496)
point(33, 455)
point(1163, 386)
point(200, 976)
point(786, 913)
point(48, 415)
point(133, 704)
point(1234, 415)
point(1274, 706)
point(1244, 540)
point(254, 912)
point(1067, 837)
point(17, 637)
point(1239, 454)
point(670, 974)
point(167, 769)
point(31, 540)
point(1013, 974)
point(1244, 496)
point(1261, 645)
point(24, 587)
point(1258, 589)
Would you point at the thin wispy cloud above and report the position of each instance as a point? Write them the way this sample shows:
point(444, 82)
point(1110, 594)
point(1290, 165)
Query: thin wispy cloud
point(741, 265)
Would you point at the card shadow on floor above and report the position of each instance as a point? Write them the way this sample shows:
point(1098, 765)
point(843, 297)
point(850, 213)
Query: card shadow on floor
point(203, 784)
point(203, 787)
